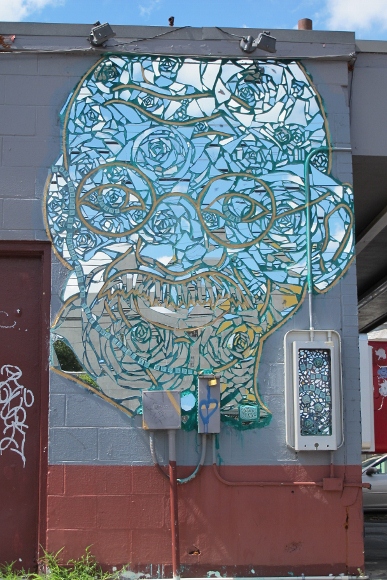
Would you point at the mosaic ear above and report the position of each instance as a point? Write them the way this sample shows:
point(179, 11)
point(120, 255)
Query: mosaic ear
point(333, 238)
point(59, 198)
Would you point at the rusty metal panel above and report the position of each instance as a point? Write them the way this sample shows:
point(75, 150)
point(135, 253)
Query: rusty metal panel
point(22, 323)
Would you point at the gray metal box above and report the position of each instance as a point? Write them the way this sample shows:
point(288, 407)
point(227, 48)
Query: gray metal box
point(208, 405)
point(161, 410)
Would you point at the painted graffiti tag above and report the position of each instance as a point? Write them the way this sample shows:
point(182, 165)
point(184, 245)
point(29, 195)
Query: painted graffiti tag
point(2, 314)
point(207, 407)
point(14, 399)
point(382, 382)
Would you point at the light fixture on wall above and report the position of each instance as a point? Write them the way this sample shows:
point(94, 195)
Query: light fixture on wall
point(264, 41)
point(100, 33)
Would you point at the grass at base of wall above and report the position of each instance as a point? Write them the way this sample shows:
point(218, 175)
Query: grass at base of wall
point(52, 567)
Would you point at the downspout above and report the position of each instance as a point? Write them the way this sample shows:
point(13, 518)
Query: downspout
point(173, 495)
point(174, 505)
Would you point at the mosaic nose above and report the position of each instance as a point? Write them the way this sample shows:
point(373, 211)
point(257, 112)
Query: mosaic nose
point(181, 242)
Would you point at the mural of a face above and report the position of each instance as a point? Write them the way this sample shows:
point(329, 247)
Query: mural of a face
point(178, 205)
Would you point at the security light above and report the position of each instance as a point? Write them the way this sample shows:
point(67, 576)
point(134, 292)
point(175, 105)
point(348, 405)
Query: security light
point(100, 33)
point(264, 41)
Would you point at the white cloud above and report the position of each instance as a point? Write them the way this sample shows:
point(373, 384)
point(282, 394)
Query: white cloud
point(16, 10)
point(356, 14)
point(149, 7)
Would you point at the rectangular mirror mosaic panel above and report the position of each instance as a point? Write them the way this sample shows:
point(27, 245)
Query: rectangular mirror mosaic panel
point(315, 391)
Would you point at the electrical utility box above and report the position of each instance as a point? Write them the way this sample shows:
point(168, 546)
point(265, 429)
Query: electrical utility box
point(161, 410)
point(209, 404)
point(313, 394)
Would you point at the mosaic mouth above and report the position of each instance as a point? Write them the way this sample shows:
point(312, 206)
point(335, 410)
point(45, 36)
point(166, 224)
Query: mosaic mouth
point(198, 300)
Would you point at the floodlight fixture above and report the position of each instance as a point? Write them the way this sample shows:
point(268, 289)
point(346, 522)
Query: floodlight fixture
point(100, 33)
point(264, 41)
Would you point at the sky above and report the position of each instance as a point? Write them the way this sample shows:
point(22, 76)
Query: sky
point(367, 18)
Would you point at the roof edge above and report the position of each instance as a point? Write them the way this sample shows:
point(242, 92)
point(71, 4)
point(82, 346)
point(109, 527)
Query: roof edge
point(132, 31)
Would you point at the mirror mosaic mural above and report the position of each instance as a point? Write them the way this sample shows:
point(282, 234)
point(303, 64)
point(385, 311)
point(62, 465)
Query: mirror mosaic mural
point(178, 207)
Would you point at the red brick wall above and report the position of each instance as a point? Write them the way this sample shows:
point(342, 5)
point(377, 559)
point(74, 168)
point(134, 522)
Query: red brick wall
point(123, 512)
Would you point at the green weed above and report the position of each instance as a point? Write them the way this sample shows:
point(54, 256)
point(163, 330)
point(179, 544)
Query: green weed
point(88, 380)
point(53, 568)
point(9, 573)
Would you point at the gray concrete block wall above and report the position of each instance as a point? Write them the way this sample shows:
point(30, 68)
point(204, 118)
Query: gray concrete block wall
point(15, 120)
point(369, 82)
point(98, 432)
point(33, 89)
point(83, 427)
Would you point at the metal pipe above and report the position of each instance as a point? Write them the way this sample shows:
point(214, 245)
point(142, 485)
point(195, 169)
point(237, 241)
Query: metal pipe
point(305, 24)
point(174, 504)
point(154, 456)
point(272, 483)
point(180, 480)
point(308, 227)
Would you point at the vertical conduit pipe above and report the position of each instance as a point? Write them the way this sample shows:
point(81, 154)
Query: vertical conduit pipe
point(308, 226)
point(174, 505)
